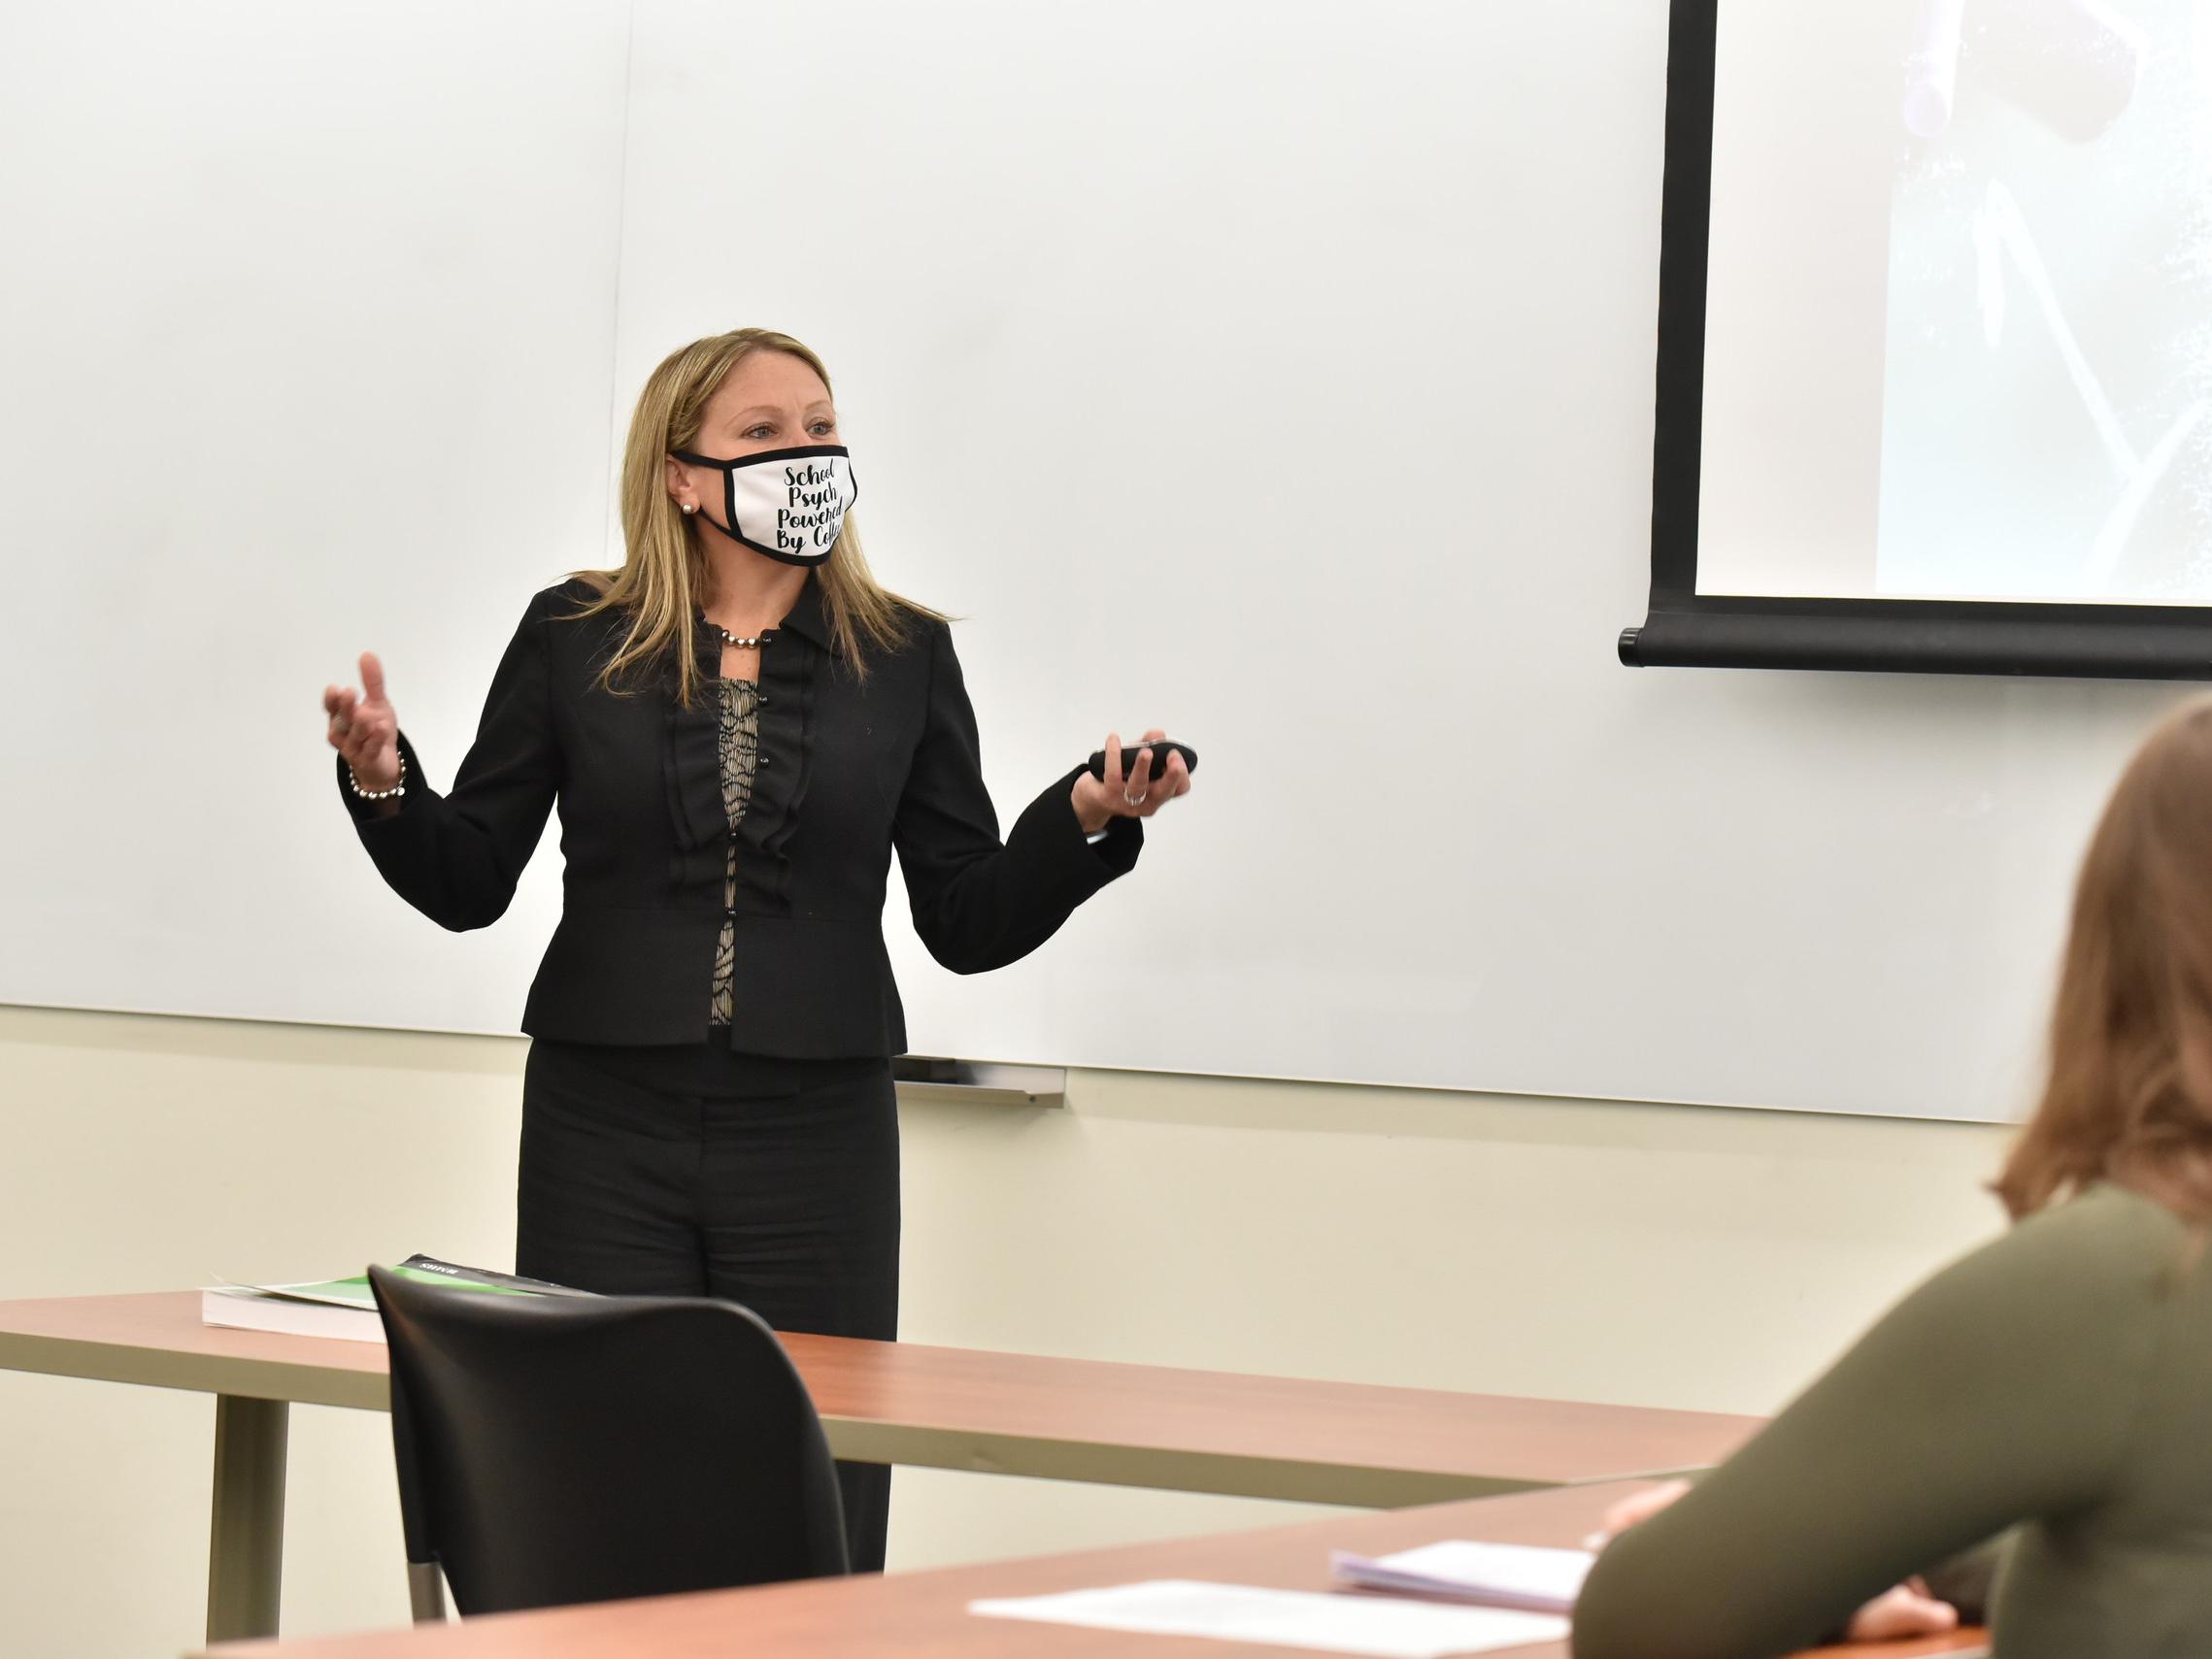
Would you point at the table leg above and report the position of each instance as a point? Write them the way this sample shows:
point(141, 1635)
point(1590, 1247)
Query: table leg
point(246, 1540)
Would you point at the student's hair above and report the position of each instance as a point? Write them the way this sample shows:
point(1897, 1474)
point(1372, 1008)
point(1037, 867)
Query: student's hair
point(664, 575)
point(2130, 1095)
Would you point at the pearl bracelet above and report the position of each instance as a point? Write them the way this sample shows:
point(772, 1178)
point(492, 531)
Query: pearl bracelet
point(392, 794)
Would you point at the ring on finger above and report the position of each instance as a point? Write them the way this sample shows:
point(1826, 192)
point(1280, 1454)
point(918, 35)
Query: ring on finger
point(1136, 800)
point(341, 725)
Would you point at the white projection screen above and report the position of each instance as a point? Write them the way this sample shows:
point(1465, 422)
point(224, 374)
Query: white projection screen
point(1950, 264)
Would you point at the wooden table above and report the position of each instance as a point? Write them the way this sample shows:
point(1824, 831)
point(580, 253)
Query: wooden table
point(1193, 1430)
point(924, 1615)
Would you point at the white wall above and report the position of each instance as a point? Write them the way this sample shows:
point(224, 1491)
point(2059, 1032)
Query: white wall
point(1597, 1250)
point(1331, 340)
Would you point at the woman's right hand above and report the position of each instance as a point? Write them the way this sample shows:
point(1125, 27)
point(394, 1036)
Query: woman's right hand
point(1635, 1509)
point(364, 729)
point(1906, 1611)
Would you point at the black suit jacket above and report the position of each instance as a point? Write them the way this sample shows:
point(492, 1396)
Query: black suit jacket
point(847, 771)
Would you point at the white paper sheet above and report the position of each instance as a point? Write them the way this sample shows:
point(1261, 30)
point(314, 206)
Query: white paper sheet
point(1497, 1575)
point(1288, 1618)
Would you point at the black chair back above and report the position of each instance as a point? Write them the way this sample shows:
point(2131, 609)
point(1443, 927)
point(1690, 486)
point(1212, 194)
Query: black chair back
point(554, 1449)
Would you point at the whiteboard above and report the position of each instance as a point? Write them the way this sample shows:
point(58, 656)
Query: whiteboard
point(1279, 375)
point(306, 331)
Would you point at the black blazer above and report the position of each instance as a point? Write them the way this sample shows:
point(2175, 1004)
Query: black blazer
point(847, 771)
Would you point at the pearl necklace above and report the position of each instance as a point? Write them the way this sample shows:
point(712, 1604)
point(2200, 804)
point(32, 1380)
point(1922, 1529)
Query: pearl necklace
point(731, 639)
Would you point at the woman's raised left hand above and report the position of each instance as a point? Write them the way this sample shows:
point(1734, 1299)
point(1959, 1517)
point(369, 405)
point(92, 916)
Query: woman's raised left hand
point(1133, 793)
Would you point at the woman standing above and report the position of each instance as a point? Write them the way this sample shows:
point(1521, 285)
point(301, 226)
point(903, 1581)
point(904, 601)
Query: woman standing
point(738, 727)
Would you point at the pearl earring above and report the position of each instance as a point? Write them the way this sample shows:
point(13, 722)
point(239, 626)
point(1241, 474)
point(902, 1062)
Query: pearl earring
point(690, 506)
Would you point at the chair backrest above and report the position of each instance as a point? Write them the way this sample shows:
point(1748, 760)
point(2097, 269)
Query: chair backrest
point(567, 1449)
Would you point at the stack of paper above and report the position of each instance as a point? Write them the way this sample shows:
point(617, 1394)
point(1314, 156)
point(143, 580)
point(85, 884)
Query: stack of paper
point(345, 1306)
point(1291, 1618)
point(1494, 1575)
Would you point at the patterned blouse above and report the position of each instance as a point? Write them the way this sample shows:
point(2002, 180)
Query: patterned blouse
point(740, 746)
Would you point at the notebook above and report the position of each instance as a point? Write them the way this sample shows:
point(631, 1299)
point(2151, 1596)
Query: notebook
point(1494, 1575)
point(345, 1307)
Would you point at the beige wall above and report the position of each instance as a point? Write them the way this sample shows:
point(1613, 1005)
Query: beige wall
point(1576, 1248)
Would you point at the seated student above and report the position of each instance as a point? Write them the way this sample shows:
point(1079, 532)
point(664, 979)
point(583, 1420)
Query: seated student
point(2055, 1386)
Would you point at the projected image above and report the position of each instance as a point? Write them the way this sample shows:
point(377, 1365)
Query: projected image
point(2047, 387)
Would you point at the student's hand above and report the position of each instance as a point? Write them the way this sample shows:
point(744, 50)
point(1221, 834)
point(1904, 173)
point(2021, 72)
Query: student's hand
point(1642, 1506)
point(1906, 1611)
point(362, 727)
point(1130, 794)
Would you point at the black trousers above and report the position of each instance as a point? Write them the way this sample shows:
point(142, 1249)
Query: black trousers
point(693, 1171)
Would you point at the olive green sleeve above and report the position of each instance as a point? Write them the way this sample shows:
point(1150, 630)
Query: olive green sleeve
point(1968, 1579)
point(2003, 1389)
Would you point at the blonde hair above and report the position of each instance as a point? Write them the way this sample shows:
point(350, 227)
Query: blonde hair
point(664, 574)
point(2130, 1095)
